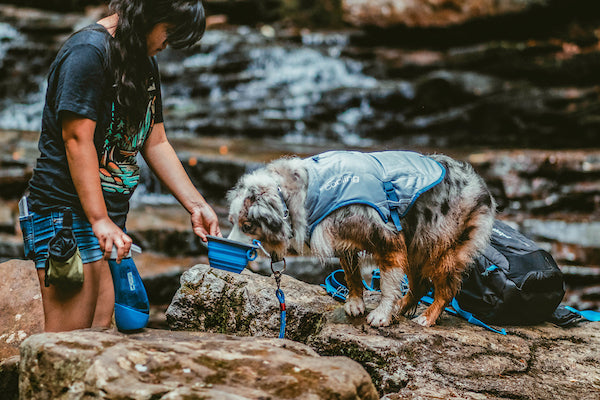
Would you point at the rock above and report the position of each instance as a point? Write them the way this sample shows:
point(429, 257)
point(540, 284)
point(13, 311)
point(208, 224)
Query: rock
point(428, 13)
point(8, 216)
point(451, 360)
point(21, 304)
point(245, 304)
point(175, 365)
point(9, 378)
point(57, 5)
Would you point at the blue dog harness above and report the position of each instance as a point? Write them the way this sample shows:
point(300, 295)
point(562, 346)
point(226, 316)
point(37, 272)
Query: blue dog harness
point(388, 181)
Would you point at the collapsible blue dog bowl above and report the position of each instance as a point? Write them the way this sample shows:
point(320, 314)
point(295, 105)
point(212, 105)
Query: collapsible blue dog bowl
point(132, 307)
point(230, 255)
point(130, 319)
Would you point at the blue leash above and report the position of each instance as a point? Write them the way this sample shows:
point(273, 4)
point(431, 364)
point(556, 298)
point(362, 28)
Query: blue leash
point(280, 297)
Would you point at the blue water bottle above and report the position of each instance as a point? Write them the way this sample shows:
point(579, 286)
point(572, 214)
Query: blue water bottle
point(132, 308)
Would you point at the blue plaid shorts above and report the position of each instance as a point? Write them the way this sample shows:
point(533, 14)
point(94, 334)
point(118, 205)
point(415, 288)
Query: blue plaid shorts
point(38, 229)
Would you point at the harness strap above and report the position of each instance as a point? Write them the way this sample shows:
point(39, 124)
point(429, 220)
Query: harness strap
point(286, 212)
point(68, 219)
point(391, 195)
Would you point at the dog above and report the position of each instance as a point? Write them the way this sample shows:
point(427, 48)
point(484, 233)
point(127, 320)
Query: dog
point(430, 230)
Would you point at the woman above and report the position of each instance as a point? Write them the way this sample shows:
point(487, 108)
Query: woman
point(103, 105)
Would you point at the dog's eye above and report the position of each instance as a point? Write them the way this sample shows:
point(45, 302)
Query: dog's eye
point(246, 227)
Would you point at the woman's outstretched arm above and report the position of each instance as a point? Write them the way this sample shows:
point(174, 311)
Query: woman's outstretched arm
point(162, 159)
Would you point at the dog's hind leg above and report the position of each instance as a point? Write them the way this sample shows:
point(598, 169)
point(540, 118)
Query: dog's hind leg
point(446, 283)
point(446, 272)
point(391, 269)
point(354, 305)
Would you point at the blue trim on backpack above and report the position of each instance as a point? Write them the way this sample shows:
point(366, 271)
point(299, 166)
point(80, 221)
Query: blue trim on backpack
point(590, 315)
point(457, 311)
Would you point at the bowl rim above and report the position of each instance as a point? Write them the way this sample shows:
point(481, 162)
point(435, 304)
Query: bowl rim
point(231, 242)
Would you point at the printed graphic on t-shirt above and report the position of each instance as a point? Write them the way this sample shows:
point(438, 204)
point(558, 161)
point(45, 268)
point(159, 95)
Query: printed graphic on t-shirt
point(119, 172)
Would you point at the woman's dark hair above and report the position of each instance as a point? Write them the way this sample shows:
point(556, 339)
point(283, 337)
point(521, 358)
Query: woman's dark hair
point(129, 58)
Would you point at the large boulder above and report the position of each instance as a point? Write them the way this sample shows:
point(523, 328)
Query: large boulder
point(215, 301)
point(21, 303)
point(450, 360)
point(182, 365)
point(428, 13)
point(9, 378)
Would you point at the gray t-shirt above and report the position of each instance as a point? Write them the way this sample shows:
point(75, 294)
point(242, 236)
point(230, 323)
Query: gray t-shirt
point(80, 81)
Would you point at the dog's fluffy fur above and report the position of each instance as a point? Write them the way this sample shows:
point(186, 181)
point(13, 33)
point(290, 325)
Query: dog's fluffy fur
point(444, 230)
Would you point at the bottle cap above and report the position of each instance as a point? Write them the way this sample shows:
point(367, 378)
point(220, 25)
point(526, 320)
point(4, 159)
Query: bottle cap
point(134, 248)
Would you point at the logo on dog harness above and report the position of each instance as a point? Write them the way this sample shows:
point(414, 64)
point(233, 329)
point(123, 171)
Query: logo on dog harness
point(500, 233)
point(344, 179)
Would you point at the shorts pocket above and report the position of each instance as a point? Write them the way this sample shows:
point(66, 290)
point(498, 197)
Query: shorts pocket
point(27, 230)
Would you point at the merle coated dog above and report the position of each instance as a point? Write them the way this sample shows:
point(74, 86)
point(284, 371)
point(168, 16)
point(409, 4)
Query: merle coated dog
point(423, 216)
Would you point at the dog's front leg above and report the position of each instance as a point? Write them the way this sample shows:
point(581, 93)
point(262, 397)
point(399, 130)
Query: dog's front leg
point(391, 279)
point(392, 264)
point(355, 304)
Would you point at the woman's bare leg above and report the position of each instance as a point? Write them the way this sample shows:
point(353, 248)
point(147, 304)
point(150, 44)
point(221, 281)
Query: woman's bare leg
point(105, 303)
point(90, 305)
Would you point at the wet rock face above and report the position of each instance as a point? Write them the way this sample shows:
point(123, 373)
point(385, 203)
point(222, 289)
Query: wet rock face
point(419, 13)
point(176, 365)
point(405, 360)
point(211, 301)
point(498, 81)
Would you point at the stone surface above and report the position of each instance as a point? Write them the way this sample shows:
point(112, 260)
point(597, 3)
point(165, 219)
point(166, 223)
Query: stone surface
point(451, 360)
point(428, 13)
point(245, 304)
point(9, 378)
point(21, 305)
point(182, 365)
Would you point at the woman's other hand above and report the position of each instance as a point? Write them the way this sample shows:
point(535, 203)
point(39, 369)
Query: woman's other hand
point(205, 221)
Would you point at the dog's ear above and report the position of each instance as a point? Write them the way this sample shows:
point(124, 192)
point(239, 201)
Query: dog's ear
point(263, 212)
point(286, 167)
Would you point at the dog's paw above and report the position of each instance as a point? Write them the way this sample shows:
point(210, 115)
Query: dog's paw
point(378, 317)
point(354, 306)
point(423, 321)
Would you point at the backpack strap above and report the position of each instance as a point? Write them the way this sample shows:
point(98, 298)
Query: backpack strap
point(590, 315)
point(457, 311)
point(67, 219)
point(471, 318)
point(391, 195)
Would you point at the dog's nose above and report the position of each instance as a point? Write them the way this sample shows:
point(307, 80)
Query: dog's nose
point(238, 236)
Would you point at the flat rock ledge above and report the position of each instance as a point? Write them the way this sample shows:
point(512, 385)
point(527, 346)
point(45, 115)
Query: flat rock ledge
point(453, 360)
point(157, 364)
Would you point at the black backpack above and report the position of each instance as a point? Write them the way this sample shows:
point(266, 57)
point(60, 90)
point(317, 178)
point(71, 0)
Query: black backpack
point(514, 282)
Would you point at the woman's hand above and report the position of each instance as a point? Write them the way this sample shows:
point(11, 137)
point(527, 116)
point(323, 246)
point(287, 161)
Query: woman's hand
point(205, 221)
point(109, 235)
